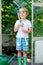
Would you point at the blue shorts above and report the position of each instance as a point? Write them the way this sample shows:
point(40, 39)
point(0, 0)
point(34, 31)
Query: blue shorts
point(22, 44)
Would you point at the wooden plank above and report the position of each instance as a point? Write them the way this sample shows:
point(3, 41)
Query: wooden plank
point(38, 4)
point(39, 51)
point(37, 38)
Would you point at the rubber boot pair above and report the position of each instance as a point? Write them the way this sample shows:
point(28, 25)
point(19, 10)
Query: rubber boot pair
point(20, 61)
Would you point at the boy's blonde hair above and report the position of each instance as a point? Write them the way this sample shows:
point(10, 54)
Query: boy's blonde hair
point(24, 9)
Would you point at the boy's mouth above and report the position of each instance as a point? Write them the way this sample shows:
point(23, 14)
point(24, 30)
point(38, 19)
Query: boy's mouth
point(22, 16)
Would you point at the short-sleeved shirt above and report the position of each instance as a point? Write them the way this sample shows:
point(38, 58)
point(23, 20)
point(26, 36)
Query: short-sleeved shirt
point(27, 25)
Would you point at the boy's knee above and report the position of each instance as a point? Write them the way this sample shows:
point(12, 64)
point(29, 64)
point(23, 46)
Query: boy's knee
point(19, 51)
point(24, 51)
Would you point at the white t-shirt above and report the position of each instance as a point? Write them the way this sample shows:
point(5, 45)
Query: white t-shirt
point(27, 25)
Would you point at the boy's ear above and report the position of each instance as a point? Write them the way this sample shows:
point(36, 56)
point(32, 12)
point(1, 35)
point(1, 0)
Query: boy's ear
point(26, 15)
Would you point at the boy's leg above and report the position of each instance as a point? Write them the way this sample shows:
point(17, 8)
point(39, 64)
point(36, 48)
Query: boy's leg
point(24, 58)
point(25, 48)
point(18, 48)
point(19, 58)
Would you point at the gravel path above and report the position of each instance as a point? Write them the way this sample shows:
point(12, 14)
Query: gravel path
point(15, 63)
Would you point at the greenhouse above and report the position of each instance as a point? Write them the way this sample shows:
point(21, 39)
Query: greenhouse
point(8, 17)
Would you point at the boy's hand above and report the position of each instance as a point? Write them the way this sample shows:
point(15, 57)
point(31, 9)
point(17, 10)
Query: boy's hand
point(21, 25)
point(24, 30)
point(27, 31)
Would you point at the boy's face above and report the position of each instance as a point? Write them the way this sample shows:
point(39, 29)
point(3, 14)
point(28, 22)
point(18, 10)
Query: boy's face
point(22, 14)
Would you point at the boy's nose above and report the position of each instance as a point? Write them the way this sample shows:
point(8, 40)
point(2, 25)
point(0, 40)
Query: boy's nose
point(21, 13)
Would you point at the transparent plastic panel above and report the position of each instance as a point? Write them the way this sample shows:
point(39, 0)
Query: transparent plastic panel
point(38, 22)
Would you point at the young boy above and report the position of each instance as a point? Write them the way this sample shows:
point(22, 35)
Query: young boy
point(22, 27)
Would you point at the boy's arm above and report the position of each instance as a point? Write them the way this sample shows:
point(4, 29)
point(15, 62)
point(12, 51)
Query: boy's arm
point(17, 27)
point(27, 31)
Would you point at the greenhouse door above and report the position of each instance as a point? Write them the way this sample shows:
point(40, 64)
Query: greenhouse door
point(38, 32)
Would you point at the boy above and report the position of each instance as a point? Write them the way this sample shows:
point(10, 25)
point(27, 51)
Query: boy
point(22, 27)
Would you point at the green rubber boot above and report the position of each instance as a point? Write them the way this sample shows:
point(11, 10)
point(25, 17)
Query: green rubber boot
point(19, 61)
point(25, 61)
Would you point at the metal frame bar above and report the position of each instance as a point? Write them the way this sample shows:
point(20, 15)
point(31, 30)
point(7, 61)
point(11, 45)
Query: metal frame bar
point(0, 31)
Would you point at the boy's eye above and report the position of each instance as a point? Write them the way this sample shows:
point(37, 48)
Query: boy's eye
point(22, 12)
